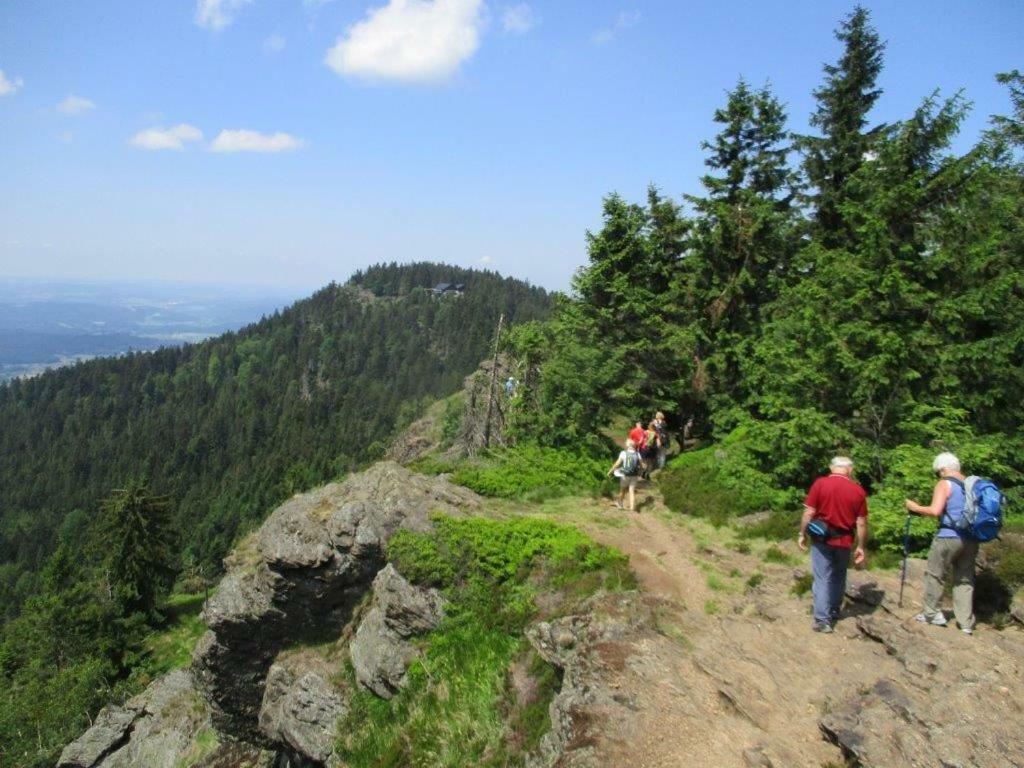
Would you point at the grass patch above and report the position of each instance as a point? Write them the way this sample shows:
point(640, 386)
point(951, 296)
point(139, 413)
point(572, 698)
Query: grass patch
point(462, 706)
point(755, 580)
point(171, 647)
point(802, 585)
point(775, 555)
point(715, 583)
point(711, 607)
point(533, 473)
point(777, 526)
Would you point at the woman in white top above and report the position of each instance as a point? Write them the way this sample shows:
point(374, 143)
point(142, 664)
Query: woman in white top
point(627, 469)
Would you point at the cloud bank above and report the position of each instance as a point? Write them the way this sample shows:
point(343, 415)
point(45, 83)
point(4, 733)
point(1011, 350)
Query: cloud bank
point(625, 20)
point(166, 138)
point(217, 14)
point(75, 105)
point(242, 140)
point(7, 87)
point(409, 40)
point(518, 19)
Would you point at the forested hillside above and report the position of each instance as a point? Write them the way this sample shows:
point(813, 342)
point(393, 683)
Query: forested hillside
point(230, 427)
point(858, 290)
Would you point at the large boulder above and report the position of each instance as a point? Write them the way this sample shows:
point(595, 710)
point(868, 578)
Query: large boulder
point(167, 725)
point(301, 575)
point(301, 707)
point(381, 651)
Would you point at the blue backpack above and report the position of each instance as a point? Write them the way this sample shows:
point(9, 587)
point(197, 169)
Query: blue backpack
point(983, 509)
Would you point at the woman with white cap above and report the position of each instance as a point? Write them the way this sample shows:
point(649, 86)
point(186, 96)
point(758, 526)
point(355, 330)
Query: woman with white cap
point(950, 548)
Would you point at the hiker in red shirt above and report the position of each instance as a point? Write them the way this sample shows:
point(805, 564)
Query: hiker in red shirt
point(835, 507)
point(636, 434)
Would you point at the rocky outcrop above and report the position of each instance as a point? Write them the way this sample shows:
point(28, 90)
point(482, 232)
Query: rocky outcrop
point(959, 702)
point(301, 707)
point(301, 575)
point(381, 651)
point(165, 726)
point(591, 650)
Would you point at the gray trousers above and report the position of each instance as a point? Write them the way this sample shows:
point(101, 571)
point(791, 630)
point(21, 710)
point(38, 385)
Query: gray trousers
point(828, 566)
point(958, 554)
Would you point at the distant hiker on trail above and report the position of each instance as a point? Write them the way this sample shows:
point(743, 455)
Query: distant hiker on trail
point(649, 450)
point(661, 427)
point(951, 548)
point(627, 469)
point(636, 434)
point(510, 387)
point(835, 505)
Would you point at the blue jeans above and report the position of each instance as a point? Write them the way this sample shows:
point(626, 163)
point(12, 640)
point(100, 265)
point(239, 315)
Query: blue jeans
point(828, 565)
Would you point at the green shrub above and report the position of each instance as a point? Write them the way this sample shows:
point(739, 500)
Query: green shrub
point(533, 473)
point(458, 708)
point(780, 525)
point(720, 482)
point(909, 475)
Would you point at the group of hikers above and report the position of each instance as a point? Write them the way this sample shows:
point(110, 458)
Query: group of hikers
point(834, 525)
point(968, 510)
point(646, 451)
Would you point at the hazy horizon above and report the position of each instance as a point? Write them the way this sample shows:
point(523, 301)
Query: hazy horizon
point(291, 143)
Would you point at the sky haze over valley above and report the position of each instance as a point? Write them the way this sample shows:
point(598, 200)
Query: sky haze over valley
point(287, 143)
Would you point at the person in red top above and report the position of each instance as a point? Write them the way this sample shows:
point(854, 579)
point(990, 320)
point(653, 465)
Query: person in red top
point(838, 501)
point(636, 434)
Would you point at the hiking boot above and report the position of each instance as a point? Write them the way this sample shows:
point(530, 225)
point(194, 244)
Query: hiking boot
point(967, 630)
point(618, 505)
point(824, 628)
point(938, 620)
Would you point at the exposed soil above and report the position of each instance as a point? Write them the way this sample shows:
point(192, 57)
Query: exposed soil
point(734, 676)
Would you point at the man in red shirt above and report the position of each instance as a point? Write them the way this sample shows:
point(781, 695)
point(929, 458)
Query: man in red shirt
point(840, 503)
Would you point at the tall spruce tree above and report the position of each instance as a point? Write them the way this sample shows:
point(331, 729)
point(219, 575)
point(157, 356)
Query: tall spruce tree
point(139, 541)
point(850, 356)
point(844, 102)
point(740, 248)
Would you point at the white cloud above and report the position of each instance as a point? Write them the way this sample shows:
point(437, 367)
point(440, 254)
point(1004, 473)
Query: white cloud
point(518, 19)
point(274, 44)
point(75, 105)
point(166, 138)
point(625, 20)
point(7, 87)
point(485, 260)
point(254, 141)
point(217, 14)
point(409, 40)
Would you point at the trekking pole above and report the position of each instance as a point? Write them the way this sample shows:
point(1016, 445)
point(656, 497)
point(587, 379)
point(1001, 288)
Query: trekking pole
point(906, 551)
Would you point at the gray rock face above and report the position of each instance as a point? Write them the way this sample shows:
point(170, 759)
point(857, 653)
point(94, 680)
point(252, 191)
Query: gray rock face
point(1017, 607)
point(381, 652)
point(301, 708)
point(165, 726)
point(301, 575)
point(952, 707)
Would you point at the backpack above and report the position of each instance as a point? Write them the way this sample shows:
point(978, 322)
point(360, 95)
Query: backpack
point(631, 464)
point(663, 436)
point(983, 509)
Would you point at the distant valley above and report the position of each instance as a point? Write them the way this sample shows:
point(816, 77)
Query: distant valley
point(47, 324)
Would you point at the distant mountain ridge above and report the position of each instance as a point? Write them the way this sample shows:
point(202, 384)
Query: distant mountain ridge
point(231, 426)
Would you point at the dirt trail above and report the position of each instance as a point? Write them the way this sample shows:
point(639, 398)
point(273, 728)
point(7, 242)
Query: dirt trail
point(734, 676)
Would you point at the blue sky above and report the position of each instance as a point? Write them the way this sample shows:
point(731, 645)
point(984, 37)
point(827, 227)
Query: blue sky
point(289, 142)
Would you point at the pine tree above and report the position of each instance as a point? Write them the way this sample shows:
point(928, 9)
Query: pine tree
point(139, 540)
point(740, 248)
point(844, 102)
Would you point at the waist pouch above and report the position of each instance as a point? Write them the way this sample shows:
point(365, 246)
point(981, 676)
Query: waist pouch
point(819, 530)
